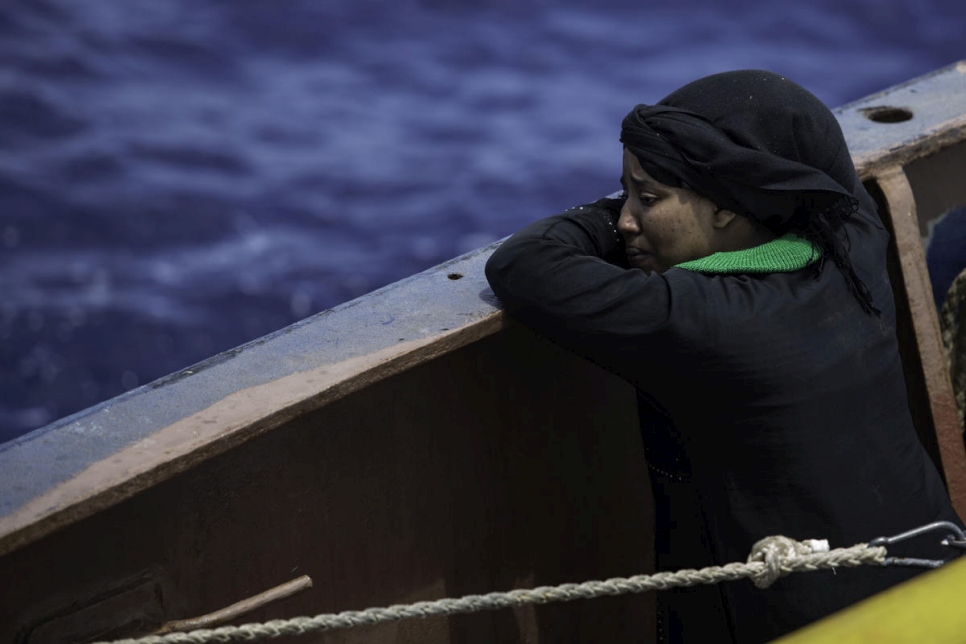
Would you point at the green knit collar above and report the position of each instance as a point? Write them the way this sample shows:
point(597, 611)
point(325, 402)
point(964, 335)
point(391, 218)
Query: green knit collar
point(783, 255)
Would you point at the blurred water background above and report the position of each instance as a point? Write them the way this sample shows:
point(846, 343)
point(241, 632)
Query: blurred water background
point(177, 178)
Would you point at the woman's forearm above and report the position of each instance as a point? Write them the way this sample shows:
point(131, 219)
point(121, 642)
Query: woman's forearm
point(565, 277)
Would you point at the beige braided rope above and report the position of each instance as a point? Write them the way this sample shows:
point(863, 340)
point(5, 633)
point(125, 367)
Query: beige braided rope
point(770, 559)
point(954, 340)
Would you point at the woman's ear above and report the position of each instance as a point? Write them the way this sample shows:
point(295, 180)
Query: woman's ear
point(737, 232)
point(721, 218)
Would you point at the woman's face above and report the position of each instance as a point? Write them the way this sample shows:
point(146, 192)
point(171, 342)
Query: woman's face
point(661, 225)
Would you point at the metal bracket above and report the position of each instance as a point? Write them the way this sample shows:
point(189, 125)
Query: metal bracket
point(957, 532)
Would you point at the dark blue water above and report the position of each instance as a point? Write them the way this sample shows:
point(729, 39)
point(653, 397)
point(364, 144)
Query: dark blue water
point(177, 177)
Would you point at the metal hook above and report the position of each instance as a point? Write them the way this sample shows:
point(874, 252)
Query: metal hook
point(958, 542)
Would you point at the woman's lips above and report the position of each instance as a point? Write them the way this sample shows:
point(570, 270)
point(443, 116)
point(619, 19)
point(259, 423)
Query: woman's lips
point(637, 257)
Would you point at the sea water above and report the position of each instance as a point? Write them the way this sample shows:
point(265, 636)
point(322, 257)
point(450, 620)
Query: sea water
point(177, 178)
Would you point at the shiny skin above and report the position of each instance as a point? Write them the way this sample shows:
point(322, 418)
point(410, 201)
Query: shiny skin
point(663, 225)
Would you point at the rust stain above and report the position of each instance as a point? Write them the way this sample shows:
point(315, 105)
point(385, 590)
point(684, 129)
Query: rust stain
point(915, 274)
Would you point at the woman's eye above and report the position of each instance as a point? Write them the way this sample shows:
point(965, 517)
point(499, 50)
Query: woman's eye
point(648, 200)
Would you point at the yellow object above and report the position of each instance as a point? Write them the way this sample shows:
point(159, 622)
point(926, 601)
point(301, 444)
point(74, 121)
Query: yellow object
point(930, 608)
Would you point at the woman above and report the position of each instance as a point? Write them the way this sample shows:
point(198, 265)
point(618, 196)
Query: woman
point(740, 285)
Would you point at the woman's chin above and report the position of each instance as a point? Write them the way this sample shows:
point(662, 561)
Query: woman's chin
point(644, 262)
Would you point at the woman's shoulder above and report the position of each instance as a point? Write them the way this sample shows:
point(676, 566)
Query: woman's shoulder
point(715, 313)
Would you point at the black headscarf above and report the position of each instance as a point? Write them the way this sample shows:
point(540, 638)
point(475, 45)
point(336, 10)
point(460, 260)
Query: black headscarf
point(761, 146)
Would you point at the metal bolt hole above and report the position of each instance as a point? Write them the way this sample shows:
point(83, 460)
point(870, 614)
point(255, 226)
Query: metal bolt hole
point(887, 114)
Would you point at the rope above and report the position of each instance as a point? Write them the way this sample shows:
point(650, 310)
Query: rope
point(954, 340)
point(770, 558)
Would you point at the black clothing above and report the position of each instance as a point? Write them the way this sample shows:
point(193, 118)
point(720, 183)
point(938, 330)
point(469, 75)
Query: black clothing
point(745, 140)
point(772, 404)
point(761, 146)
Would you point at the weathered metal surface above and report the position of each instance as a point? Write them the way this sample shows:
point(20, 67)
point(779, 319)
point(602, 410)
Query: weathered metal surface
point(938, 184)
point(938, 422)
point(937, 106)
point(474, 472)
point(105, 454)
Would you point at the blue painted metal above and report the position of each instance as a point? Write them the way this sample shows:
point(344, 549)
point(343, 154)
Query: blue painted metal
point(422, 306)
point(879, 133)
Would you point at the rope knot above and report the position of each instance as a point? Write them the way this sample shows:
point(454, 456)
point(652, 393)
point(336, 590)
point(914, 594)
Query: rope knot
point(775, 552)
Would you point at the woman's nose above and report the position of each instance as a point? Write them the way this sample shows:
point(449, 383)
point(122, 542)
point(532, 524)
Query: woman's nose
point(626, 223)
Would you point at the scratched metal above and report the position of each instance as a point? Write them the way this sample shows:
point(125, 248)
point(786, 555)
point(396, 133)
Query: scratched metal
point(937, 103)
point(417, 307)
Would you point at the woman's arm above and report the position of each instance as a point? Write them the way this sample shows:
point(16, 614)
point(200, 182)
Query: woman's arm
point(562, 277)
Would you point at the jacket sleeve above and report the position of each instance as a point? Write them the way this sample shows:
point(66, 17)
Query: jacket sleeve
point(566, 278)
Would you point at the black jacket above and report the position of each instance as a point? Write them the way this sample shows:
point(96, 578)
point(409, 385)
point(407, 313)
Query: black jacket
point(770, 404)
